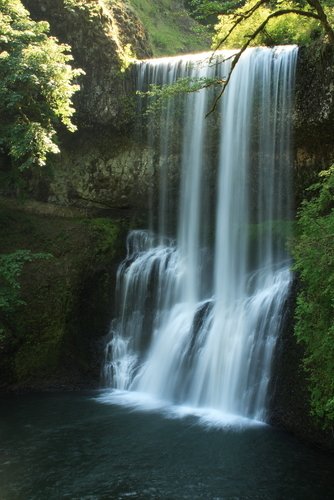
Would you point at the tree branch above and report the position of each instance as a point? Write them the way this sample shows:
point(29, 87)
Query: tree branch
point(239, 19)
point(315, 4)
point(251, 37)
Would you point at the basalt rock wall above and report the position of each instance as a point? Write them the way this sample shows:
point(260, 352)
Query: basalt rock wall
point(313, 115)
point(102, 38)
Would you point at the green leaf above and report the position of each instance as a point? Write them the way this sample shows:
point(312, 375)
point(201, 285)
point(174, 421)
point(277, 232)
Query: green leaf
point(37, 83)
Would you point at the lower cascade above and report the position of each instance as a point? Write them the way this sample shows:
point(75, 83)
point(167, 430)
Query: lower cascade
point(201, 292)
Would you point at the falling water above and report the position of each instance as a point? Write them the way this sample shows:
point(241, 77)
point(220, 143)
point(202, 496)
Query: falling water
point(200, 306)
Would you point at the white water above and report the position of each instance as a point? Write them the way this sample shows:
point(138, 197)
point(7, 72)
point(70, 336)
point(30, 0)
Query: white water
point(198, 315)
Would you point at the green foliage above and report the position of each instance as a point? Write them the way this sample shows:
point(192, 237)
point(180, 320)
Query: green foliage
point(107, 232)
point(207, 11)
point(257, 22)
point(159, 94)
point(36, 87)
point(280, 30)
point(170, 28)
point(11, 266)
point(80, 4)
point(67, 297)
point(92, 7)
point(127, 57)
point(314, 261)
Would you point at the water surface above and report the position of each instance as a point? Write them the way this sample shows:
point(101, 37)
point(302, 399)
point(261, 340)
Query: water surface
point(84, 446)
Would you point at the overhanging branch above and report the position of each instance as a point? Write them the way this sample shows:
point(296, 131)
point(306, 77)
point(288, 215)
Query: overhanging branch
point(315, 4)
point(252, 36)
point(239, 18)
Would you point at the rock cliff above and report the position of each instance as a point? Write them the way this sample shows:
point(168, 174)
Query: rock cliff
point(313, 115)
point(102, 40)
point(102, 162)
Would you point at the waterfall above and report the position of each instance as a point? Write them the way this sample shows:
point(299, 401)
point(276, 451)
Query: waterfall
point(201, 292)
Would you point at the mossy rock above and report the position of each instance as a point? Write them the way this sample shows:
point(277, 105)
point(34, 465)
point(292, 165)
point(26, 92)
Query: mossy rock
point(55, 338)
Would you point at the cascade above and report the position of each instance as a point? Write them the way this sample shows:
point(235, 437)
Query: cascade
point(201, 291)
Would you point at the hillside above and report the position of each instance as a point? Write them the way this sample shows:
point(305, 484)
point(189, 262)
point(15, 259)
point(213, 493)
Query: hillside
point(170, 28)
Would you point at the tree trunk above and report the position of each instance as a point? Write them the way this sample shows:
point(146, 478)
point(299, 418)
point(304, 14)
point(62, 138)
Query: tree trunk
point(315, 4)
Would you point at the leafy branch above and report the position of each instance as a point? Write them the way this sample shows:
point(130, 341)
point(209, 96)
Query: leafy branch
point(314, 261)
point(158, 94)
point(249, 11)
point(36, 87)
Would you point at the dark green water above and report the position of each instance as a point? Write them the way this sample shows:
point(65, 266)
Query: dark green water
point(72, 446)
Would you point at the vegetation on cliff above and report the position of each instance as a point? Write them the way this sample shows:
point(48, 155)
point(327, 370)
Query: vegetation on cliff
point(49, 265)
point(208, 11)
point(36, 87)
point(11, 266)
point(54, 308)
point(264, 22)
point(170, 28)
point(259, 22)
point(314, 261)
point(104, 37)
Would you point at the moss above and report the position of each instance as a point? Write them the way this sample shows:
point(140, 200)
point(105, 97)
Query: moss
point(103, 39)
point(107, 232)
point(68, 298)
point(37, 362)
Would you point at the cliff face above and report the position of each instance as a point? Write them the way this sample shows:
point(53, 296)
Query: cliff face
point(313, 115)
point(102, 162)
point(53, 339)
point(314, 151)
point(290, 407)
point(102, 40)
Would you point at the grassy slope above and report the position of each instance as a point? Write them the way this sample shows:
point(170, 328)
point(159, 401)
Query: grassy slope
point(171, 30)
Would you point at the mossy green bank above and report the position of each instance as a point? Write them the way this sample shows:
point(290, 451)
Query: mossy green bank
point(52, 339)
